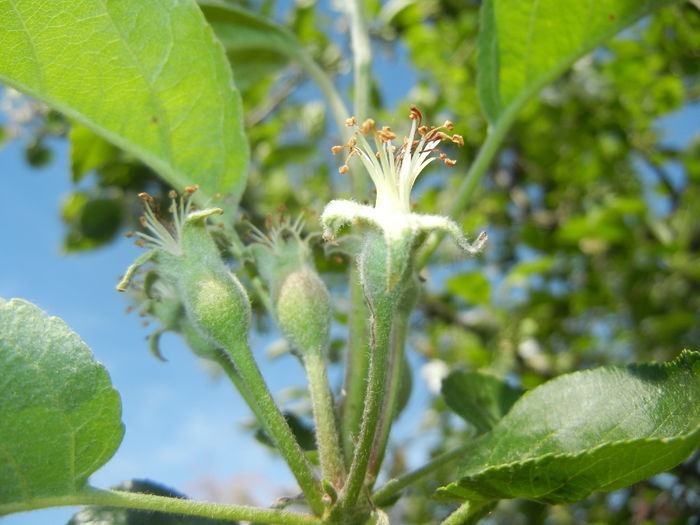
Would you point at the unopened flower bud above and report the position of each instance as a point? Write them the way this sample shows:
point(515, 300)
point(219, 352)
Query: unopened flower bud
point(303, 310)
point(299, 296)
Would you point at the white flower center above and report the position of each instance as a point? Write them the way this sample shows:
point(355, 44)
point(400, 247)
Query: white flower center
point(394, 170)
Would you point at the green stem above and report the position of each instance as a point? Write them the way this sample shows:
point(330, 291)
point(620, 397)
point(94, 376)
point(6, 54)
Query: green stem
point(362, 57)
point(476, 171)
point(134, 500)
point(398, 344)
point(356, 366)
point(374, 401)
point(340, 112)
point(330, 453)
point(274, 423)
point(225, 363)
point(394, 486)
point(460, 516)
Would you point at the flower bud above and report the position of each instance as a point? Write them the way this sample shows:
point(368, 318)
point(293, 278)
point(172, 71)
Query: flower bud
point(186, 257)
point(303, 310)
point(299, 296)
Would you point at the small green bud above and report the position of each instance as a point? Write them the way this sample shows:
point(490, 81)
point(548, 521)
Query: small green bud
point(299, 296)
point(186, 258)
point(303, 310)
point(215, 301)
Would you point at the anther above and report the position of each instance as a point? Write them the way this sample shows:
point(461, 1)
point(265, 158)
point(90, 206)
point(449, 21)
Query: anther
point(367, 126)
point(415, 114)
point(191, 189)
point(172, 194)
point(448, 125)
point(458, 139)
point(386, 134)
point(344, 169)
point(129, 235)
point(352, 121)
point(449, 162)
point(140, 242)
point(337, 149)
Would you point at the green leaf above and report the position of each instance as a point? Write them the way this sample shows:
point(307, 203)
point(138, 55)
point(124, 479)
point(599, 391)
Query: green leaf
point(480, 399)
point(601, 429)
point(122, 516)
point(150, 77)
point(88, 151)
point(524, 45)
point(59, 415)
point(240, 30)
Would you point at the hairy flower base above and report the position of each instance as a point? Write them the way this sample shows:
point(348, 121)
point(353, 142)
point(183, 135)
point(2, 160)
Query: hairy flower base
point(395, 225)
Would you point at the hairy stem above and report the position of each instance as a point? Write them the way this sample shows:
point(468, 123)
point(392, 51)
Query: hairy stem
point(274, 423)
point(327, 438)
point(398, 344)
point(394, 486)
point(374, 401)
point(356, 366)
point(133, 500)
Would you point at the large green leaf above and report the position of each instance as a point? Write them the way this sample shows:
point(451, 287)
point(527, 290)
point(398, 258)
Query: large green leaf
point(525, 44)
point(149, 77)
point(480, 399)
point(59, 415)
point(601, 429)
point(122, 516)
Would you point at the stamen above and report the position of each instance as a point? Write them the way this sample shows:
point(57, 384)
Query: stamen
point(367, 126)
point(352, 121)
point(344, 169)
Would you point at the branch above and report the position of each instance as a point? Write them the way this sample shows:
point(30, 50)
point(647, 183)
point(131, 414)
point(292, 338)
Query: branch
point(134, 500)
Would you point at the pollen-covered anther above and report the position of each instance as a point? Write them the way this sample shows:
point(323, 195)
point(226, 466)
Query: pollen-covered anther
point(367, 126)
point(140, 242)
point(191, 189)
point(449, 162)
point(337, 149)
point(172, 194)
point(422, 130)
point(448, 125)
point(352, 121)
point(386, 134)
point(129, 235)
point(344, 169)
point(458, 139)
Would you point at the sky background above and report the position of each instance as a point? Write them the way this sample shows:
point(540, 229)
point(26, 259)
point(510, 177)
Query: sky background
point(183, 426)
